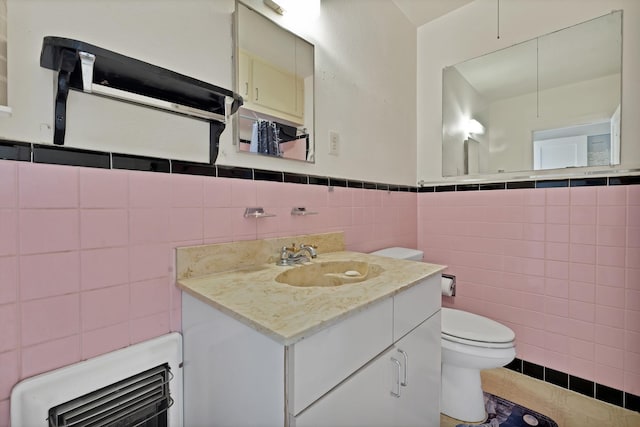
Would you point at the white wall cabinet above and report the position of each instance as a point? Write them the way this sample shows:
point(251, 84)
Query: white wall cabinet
point(270, 90)
point(342, 375)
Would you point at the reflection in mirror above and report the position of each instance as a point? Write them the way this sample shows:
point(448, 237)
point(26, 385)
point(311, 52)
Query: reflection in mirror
point(275, 77)
point(548, 103)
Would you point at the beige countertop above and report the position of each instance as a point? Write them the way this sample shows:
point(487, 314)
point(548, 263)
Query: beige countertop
point(289, 313)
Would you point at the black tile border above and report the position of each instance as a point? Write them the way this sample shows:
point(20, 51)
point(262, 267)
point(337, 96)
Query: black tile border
point(71, 157)
point(296, 178)
point(519, 185)
point(368, 185)
point(139, 163)
point(543, 183)
point(334, 182)
point(582, 386)
point(588, 182)
point(267, 175)
point(318, 180)
point(554, 183)
point(189, 168)
point(556, 377)
point(60, 155)
point(632, 402)
point(579, 385)
point(609, 395)
point(533, 370)
point(493, 186)
point(443, 188)
point(624, 180)
point(468, 187)
point(234, 172)
point(515, 365)
point(13, 150)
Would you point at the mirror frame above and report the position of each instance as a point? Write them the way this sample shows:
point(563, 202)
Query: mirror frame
point(311, 146)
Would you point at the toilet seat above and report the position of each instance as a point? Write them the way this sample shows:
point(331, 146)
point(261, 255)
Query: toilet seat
point(474, 330)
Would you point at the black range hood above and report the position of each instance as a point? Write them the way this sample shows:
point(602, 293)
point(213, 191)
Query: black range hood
point(91, 69)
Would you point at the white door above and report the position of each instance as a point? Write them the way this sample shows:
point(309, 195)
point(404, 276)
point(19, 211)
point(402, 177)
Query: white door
point(365, 399)
point(560, 152)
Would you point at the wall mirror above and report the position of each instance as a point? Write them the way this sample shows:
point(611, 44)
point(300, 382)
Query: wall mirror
point(275, 76)
point(552, 102)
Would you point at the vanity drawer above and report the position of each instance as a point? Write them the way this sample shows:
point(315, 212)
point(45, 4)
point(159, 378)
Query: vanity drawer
point(320, 362)
point(415, 305)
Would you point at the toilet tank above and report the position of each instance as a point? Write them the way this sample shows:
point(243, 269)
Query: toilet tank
point(400, 253)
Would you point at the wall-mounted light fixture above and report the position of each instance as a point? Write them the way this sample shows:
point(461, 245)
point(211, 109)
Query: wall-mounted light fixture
point(299, 8)
point(474, 127)
point(274, 6)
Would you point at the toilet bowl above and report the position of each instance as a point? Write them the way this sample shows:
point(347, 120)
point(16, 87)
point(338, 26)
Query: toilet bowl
point(470, 343)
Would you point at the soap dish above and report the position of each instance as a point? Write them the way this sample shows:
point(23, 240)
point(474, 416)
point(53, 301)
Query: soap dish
point(256, 213)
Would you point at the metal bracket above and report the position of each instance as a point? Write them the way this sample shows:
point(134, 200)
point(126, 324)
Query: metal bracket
point(65, 67)
point(86, 61)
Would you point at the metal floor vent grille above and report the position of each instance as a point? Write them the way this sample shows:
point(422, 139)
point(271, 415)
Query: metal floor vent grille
point(140, 400)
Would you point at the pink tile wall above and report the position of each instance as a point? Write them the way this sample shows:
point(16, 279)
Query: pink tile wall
point(87, 259)
point(560, 266)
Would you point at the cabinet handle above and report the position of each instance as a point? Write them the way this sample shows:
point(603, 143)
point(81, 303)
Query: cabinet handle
point(404, 354)
point(398, 366)
point(257, 94)
point(246, 88)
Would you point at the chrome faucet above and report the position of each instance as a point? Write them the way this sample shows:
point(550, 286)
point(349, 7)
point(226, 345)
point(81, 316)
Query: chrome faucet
point(292, 255)
point(311, 249)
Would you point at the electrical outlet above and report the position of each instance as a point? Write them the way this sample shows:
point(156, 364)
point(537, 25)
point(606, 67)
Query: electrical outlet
point(334, 143)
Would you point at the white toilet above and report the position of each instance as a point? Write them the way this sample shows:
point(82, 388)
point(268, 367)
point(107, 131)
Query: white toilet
point(469, 343)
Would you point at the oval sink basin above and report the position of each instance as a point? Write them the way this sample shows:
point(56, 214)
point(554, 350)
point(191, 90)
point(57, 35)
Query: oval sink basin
point(329, 273)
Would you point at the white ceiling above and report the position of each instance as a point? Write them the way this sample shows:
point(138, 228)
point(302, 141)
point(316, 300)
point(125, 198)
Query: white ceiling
point(586, 51)
point(419, 12)
point(513, 71)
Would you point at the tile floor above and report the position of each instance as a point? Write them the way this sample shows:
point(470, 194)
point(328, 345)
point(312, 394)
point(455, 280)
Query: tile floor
point(567, 408)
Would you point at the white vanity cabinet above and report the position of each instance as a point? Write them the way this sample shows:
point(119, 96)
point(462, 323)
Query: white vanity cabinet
point(378, 366)
point(399, 387)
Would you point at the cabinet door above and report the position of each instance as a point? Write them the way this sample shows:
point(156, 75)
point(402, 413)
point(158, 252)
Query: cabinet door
point(364, 399)
point(415, 305)
point(274, 88)
point(244, 76)
point(419, 353)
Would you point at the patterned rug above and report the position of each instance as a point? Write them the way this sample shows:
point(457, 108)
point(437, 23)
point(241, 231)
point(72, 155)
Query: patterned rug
point(504, 413)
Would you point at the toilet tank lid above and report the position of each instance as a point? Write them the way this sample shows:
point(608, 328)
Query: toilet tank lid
point(400, 253)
